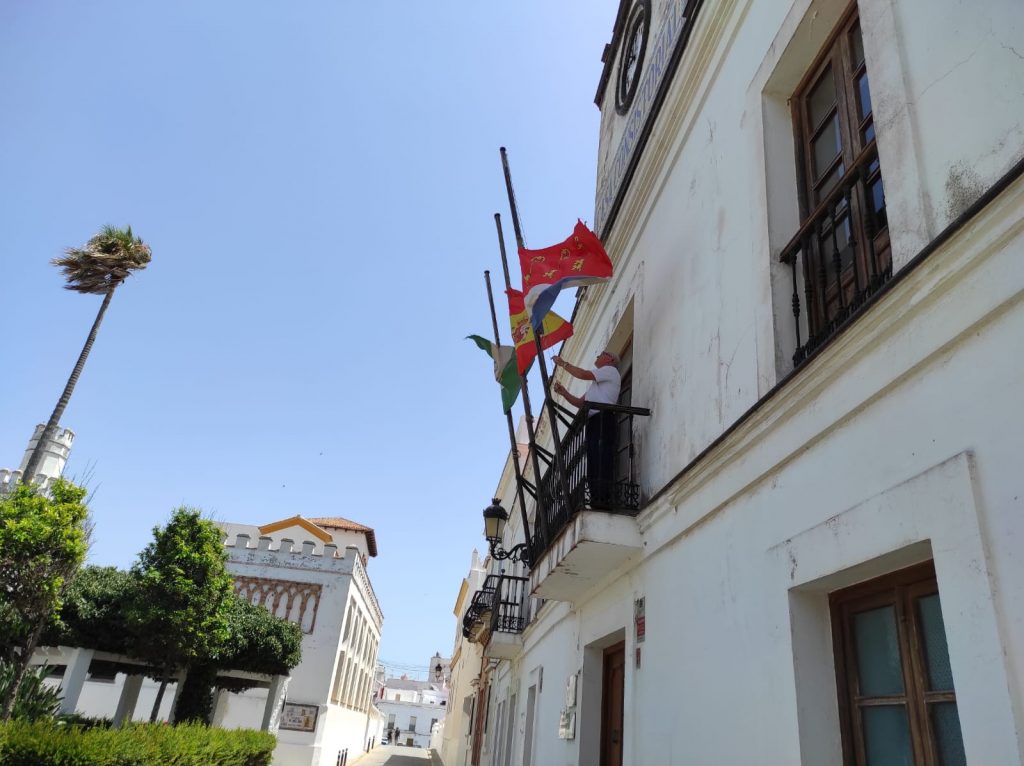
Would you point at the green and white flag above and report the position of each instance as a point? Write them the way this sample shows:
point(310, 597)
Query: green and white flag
point(505, 372)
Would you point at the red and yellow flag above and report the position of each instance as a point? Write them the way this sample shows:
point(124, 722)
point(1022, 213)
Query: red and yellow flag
point(579, 260)
point(555, 329)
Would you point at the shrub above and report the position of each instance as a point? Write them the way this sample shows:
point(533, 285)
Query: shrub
point(49, 744)
point(35, 700)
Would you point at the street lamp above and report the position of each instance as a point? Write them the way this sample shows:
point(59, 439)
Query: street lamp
point(495, 518)
point(438, 672)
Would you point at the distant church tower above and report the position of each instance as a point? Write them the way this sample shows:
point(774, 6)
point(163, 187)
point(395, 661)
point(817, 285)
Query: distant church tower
point(55, 457)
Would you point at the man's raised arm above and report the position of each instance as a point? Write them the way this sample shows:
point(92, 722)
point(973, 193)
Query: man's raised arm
point(576, 372)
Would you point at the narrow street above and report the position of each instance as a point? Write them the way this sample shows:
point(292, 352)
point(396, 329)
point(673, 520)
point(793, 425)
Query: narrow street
point(393, 755)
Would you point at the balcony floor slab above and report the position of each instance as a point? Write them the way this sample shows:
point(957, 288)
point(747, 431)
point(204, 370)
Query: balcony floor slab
point(504, 646)
point(591, 545)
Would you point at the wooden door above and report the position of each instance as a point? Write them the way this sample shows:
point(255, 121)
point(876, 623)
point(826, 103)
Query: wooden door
point(613, 704)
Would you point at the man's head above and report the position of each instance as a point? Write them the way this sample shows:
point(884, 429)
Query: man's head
point(606, 358)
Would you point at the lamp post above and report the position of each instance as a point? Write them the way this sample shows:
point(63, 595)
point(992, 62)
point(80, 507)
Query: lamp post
point(495, 518)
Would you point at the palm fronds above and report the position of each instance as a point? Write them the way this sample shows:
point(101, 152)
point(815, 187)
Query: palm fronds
point(105, 261)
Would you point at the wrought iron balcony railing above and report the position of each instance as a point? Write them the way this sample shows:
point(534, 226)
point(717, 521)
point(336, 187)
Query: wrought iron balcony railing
point(612, 487)
point(481, 603)
point(840, 256)
point(511, 611)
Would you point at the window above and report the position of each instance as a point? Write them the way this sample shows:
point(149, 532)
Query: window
point(896, 698)
point(412, 724)
point(391, 721)
point(844, 233)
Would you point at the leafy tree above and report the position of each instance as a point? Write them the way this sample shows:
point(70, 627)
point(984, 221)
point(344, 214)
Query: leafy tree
point(43, 541)
point(96, 612)
point(184, 594)
point(98, 268)
point(259, 642)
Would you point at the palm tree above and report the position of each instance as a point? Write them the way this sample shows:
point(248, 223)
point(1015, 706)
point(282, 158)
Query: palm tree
point(98, 268)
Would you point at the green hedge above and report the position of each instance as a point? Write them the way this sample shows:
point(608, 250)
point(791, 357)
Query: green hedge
point(50, 744)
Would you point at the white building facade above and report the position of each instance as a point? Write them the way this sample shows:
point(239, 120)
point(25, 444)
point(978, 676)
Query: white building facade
point(466, 664)
point(814, 208)
point(412, 709)
point(312, 572)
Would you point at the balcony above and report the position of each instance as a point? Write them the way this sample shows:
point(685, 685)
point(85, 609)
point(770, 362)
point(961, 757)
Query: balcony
point(840, 256)
point(588, 526)
point(509, 618)
point(478, 614)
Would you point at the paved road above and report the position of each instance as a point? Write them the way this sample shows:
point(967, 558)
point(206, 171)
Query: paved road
point(392, 755)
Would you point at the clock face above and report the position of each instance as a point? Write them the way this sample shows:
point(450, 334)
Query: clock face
point(634, 44)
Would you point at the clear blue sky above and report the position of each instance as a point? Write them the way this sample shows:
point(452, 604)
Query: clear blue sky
point(317, 181)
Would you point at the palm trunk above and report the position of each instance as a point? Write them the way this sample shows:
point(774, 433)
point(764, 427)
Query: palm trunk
point(22, 667)
point(159, 696)
point(51, 426)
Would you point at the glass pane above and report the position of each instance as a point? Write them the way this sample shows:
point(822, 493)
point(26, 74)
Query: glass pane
point(822, 98)
point(878, 205)
point(857, 46)
point(869, 132)
point(886, 736)
point(864, 95)
point(948, 742)
point(878, 652)
point(829, 183)
point(936, 653)
point(826, 146)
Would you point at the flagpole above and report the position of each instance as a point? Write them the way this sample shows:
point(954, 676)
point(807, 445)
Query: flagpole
point(540, 518)
point(537, 332)
point(511, 427)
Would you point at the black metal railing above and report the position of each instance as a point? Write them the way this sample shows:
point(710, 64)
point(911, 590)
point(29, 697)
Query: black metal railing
point(840, 255)
point(511, 612)
point(481, 603)
point(612, 487)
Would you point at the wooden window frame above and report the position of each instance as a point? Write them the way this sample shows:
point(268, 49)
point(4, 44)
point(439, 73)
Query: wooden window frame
point(901, 590)
point(856, 155)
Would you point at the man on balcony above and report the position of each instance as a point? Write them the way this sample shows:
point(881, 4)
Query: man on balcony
point(605, 383)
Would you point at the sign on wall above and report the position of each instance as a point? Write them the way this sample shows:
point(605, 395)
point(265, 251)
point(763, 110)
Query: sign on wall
point(299, 717)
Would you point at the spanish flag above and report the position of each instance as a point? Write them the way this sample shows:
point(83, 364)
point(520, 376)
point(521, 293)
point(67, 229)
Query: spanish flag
point(555, 329)
point(579, 260)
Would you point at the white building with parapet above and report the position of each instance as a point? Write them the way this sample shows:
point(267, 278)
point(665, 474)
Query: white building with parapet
point(312, 572)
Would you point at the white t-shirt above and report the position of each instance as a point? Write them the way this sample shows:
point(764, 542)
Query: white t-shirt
point(605, 387)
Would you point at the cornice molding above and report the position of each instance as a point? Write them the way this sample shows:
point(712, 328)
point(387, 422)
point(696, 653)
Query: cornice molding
point(706, 48)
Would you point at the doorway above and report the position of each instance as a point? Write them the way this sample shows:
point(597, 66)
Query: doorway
point(613, 687)
point(531, 704)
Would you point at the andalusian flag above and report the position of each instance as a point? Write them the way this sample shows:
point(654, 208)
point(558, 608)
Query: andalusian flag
point(505, 371)
point(579, 260)
point(555, 329)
